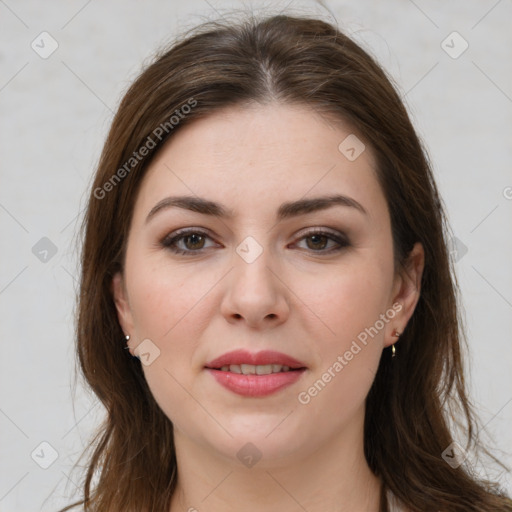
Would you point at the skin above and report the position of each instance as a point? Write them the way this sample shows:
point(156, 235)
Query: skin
point(296, 297)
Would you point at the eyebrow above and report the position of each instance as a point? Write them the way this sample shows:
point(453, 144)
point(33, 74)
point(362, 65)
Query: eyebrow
point(285, 211)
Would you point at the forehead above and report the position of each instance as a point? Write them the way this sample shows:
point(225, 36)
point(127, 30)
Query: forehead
point(251, 156)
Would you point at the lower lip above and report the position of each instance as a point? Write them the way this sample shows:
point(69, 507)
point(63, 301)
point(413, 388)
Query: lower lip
point(256, 385)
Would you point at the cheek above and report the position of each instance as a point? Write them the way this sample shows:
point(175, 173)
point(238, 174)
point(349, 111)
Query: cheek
point(163, 298)
point(347, 300)
point(169, 309)
point(350, 305)
point(172, 307)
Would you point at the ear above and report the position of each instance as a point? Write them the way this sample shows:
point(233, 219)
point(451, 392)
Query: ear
point(124, 313)
point(406, 292)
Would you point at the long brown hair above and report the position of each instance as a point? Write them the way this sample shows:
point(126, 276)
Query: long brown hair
point(415, 396)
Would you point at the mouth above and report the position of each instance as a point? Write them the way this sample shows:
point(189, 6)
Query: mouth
point(255, 375)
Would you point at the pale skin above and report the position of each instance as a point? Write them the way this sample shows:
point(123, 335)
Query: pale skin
point(299, 296)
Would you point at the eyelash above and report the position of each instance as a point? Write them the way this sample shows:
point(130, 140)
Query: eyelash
point(169, 242)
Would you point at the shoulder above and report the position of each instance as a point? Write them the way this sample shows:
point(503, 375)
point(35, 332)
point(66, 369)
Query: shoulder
point(394, 505)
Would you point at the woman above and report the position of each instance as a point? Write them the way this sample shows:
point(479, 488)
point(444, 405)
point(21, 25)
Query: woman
point(265, 238)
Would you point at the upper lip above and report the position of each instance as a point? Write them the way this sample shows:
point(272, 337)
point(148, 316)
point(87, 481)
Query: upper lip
point(259, 358)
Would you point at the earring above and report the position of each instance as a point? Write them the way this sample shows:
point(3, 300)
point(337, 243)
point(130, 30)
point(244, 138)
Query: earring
point(397, 335)
point(127, 338)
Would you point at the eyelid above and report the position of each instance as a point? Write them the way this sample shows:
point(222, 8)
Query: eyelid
point(320, 230)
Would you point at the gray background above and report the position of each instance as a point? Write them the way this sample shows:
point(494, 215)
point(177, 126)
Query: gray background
point(55, 113)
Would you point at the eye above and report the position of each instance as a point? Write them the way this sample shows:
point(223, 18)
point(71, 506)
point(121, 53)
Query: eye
point(193, 240)
point(320, 238)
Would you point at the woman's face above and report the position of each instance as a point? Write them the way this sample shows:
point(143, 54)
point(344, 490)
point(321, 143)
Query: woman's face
point(260, 279)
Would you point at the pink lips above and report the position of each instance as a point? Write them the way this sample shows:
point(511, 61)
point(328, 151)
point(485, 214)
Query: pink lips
point(260, 358)
point(255, 385)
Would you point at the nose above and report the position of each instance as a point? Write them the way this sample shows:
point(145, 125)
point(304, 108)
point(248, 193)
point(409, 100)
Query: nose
point(255, 294)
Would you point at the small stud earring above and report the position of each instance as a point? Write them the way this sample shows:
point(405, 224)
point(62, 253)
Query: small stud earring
point(396, 333)
point(127, 338)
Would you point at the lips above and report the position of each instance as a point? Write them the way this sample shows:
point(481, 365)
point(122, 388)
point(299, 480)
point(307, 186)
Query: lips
point(255, 374)
point(265, 357)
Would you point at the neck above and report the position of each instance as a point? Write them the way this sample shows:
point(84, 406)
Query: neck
point(335, 476)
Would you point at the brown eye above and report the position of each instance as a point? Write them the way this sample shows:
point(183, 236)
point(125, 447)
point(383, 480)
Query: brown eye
point(192, 241)
point(318, 241)
point(196, 241)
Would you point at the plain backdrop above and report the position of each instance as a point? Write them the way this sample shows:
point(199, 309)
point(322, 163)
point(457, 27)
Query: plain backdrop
point(452, 64)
